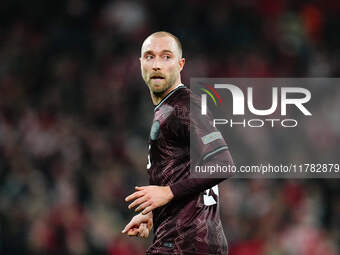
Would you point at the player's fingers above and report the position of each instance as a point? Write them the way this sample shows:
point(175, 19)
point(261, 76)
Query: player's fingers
point(143, 230)
point(143, 206)
point(130, 225)
point(144, 233)
point(139, 187)
point(150, 224)
point(134, 195)
point(125, 229)
point(133, 232)
point(137, 202)
point(148, 209)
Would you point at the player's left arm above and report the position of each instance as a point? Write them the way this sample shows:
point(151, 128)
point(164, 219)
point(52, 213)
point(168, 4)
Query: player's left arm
point(192, 186)
point(207, 148)
point(147, 198)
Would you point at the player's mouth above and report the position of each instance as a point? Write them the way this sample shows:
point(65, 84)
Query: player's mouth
point(157, 77)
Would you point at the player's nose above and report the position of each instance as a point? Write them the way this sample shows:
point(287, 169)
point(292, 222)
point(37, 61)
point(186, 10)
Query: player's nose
point(156, 65)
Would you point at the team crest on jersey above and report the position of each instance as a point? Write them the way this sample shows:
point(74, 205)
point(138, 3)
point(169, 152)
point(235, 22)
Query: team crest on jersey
point(154, 133)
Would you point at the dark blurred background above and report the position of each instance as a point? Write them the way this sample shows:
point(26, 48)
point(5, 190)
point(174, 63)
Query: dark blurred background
point(75, 117)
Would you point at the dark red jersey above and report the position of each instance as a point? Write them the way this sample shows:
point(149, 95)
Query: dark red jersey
point(190, 223)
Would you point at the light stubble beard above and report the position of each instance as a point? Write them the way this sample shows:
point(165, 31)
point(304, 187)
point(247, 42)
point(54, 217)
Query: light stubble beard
point(160, 94)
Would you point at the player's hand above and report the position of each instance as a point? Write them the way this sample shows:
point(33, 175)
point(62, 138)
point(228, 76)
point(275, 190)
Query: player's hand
point(148, 198)
point(140, 225)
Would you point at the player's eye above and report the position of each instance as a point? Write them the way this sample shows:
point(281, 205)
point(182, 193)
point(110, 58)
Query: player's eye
point(148, 57)
point(166, 57)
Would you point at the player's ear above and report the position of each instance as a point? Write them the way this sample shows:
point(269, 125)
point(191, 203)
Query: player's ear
point(181, 63)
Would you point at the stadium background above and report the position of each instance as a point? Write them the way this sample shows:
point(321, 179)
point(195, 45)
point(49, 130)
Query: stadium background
point(75, 116)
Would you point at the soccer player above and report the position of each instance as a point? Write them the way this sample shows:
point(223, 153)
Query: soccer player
point(183, 210)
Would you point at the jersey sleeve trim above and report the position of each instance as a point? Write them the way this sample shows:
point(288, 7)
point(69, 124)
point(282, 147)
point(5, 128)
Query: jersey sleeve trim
point(208, 155)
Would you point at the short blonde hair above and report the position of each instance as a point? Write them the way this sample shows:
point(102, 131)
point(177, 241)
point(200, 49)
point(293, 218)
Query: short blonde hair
point(164, 33)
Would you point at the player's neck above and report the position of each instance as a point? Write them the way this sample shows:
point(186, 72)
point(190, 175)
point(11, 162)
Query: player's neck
point(156, 100)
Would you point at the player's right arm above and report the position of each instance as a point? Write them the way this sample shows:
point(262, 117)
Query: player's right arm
point(140, 225)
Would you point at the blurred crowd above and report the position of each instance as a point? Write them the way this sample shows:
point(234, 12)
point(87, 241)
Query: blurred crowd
point(75, 117)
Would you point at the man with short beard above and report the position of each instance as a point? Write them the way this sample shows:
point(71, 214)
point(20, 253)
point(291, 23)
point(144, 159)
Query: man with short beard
point(183, 210)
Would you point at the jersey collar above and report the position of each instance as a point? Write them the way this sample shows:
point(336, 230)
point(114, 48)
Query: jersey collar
point(168, 95)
